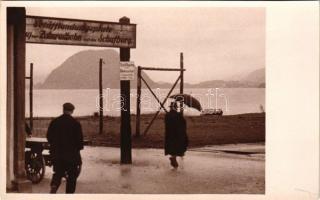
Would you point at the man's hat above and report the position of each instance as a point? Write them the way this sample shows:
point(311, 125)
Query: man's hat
point(68, 106)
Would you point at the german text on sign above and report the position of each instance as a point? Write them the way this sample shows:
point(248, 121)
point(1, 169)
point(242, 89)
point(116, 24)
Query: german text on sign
point(48, 30)
point(127, 70)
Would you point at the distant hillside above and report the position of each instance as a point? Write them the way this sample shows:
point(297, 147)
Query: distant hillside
point(225, 84)
point(254, 79)
point(81, 71)
point(257, 76)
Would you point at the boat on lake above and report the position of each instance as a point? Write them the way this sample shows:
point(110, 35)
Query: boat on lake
point(212, 111)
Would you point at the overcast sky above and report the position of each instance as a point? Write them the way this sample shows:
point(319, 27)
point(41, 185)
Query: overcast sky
point(217, 42)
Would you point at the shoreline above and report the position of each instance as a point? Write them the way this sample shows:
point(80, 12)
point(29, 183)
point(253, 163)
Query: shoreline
point(202, 130)
point(133, 115)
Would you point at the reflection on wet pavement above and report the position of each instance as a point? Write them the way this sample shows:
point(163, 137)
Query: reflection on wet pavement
point(212, 172)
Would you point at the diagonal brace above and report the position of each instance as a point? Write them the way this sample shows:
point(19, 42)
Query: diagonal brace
point(161, 104)
point(164, 101)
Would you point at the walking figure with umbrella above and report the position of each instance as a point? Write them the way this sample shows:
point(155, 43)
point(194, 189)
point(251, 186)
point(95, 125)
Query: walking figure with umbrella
point(176, 138)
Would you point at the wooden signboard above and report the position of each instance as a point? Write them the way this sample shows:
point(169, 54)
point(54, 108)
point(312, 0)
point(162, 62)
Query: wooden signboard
point(49, 30)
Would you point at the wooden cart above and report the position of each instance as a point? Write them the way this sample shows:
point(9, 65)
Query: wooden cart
point(37, 157)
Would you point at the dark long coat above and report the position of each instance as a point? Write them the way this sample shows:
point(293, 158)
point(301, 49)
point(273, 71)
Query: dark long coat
point(66, 139)
point(176, 139)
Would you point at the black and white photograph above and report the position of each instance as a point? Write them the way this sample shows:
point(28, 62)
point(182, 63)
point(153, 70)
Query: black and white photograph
point(157, 98)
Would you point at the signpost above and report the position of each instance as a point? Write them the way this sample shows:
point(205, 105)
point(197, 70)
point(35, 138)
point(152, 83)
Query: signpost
point(62, 31)
point(125, 127)
point(22, 29)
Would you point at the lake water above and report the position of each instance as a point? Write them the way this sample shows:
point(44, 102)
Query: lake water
point(48, 103)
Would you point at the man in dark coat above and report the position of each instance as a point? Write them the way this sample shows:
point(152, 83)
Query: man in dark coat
point(176, 139)
point(66, 140)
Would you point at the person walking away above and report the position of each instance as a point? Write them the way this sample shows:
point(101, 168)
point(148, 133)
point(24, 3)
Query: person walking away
point(66, 140)
point(176, 139)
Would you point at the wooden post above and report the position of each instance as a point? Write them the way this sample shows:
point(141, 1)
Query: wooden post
point(16, 18)
point(100, 98)
point(181, 80)
point(125, 127)
point(138, 102)
point(31, 97)
point(19, 91)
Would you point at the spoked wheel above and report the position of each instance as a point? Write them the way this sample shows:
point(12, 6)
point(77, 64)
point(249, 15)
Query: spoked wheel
point(35, 166)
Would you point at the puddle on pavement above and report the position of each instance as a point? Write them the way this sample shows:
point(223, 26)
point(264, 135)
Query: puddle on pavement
point(125, 171)
point(137, 163)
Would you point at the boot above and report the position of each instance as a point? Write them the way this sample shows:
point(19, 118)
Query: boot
point(173, 162)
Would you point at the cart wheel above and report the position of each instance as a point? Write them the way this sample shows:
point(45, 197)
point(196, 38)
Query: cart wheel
point(35, 166)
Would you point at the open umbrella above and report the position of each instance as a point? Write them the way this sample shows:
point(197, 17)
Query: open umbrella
point(188, 100)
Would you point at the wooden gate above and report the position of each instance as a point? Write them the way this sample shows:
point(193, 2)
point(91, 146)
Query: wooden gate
point(139, 78)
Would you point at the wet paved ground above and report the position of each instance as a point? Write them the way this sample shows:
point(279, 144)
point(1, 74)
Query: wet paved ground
point(221, 169)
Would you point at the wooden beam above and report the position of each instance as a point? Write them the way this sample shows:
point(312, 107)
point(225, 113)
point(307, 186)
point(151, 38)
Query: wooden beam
point(31, 98)
point(181, 81)
point(161, 69)
point(100, 98)
point(138, 102)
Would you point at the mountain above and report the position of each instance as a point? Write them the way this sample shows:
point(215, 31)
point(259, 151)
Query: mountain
point(81, 71)
point(254, 79)
point(257, 76)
